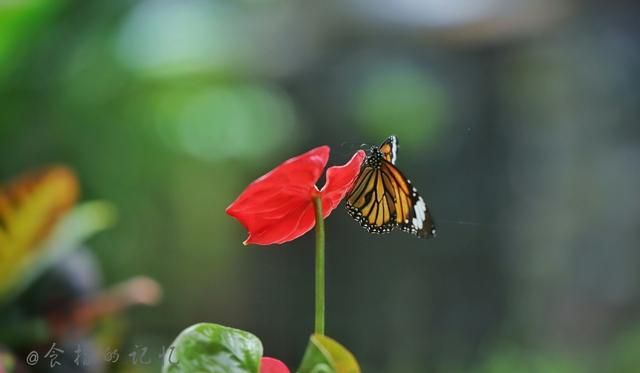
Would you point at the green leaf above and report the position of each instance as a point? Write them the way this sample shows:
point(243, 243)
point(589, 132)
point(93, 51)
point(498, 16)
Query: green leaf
point(212, 348)
point(73, 229)
point(324, 355)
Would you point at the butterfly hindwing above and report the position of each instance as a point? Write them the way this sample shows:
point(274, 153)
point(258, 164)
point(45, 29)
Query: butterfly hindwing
point(369, 204)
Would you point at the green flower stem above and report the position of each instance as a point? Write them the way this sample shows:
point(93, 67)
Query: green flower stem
point(319, 319)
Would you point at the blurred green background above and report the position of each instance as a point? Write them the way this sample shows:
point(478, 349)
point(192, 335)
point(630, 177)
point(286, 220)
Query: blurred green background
point(517, 120)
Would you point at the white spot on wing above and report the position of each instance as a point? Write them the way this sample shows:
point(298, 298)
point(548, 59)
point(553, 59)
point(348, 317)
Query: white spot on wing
point(394, 149)
point(420, 210)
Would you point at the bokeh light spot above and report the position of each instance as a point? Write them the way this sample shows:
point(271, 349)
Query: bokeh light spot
point(222, 122)
point(399, 98)
point(166, 38)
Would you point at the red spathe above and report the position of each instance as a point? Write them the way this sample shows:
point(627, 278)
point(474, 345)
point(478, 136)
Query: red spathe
point(278, 206)
point(271, 365)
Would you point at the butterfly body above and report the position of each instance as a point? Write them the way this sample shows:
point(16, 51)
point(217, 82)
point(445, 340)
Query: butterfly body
point(383, 199)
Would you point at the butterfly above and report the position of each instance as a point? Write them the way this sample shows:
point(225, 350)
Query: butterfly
point(382, 198)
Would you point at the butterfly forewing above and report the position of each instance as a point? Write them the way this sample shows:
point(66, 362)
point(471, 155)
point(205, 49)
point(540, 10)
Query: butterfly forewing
point(413, 215)
point(389, 149)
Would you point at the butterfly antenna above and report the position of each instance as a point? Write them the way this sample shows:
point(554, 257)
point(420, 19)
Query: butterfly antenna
point(348, 145)
point(351, 145)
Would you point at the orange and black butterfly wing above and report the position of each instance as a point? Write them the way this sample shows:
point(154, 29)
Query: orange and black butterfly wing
point(389, 149)
point(370, 203)
point(412, 214)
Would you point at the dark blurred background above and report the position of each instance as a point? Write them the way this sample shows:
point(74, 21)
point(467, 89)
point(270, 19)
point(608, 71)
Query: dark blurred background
point(517, 120)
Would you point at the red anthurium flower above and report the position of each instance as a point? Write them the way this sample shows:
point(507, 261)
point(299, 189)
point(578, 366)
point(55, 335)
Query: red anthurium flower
point(271, 365)
point(278, 207)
